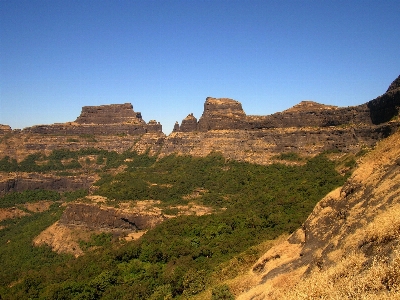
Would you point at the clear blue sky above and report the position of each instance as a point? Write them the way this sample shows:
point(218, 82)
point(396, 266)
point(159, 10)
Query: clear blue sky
point(166, 57)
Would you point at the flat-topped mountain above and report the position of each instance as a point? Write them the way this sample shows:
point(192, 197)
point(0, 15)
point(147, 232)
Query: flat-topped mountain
point(110, 114)
point(102, 120)
point(307, 128)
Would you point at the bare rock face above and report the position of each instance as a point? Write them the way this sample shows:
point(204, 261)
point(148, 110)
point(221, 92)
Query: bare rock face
point(386, 107)
point(222, 113)
point(109, 114)
point(95, 217)
point(312, 114)
point(395, 85)
point(259, 146)
point(189, 124)
point(4, 129)
point(32, 181)
point(102, 120)
point(307, 128)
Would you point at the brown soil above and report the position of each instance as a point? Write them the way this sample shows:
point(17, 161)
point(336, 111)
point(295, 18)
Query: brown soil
point(10, 213)
point(63, 239)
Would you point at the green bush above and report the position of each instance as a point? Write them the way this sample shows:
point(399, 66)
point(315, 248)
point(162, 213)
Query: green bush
point(222, 292)
point(177, 258)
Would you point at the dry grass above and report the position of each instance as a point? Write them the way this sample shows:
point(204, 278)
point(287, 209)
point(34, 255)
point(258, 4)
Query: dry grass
point(62, 239)
point(356, 276)
point(349, 279)
point(10, 213)
point(383, 229)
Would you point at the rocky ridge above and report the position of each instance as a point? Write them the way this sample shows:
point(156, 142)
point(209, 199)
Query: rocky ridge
point(307, 128)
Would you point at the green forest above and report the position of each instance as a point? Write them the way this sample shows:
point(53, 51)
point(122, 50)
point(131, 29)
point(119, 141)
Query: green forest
point(182, 256)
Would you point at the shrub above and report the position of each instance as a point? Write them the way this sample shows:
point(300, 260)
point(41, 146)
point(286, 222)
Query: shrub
point(222, 292)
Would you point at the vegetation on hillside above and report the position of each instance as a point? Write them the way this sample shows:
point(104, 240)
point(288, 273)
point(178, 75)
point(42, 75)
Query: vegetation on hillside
point(178, 258)
point(65, 159)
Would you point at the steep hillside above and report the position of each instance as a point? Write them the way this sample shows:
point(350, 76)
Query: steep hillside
point(348, 248)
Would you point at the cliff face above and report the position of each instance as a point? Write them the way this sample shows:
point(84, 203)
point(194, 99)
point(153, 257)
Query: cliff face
point(115, 127)
point(386, 107)
point(258, 146)
point(307, 128)
point(32, 181)
point(95, 217)
point(102, 120)
point(109, 114)
point(20, 144)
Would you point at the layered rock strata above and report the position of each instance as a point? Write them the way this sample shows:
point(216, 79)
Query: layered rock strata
point(101, 120)
point(259, 146)
point(307, 128)
point(228, 114)
point(19, 145)
point(19, 182)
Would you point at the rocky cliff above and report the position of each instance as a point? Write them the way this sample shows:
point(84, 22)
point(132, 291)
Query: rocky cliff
point(19, 182)
point(102, 120)
point(307, 128)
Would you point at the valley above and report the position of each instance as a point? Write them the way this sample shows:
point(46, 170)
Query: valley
point(109, 207)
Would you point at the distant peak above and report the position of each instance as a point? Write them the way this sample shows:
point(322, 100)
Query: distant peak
point(394, 85)
point(308, 105)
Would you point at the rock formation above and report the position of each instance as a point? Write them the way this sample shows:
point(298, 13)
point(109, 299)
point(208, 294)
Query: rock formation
point(95, 217)
point(4, 129)
point(307, 128)
point(102, 120)
point(386, 107)
point(222, 113)
point(19, 182)
point(109, 114)
point(189, 124)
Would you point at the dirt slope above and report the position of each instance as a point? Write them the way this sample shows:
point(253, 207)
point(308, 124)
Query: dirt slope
point(348, 248)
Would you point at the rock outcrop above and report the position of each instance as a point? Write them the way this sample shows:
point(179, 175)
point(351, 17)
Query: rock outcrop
point(4, 129)
point(222, 113)
point(95, 217)
point(19, 182)
point(189, 124)
point(386, 107)
point(109, 114)
point(101, 120)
